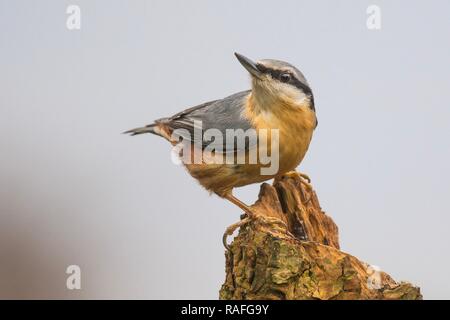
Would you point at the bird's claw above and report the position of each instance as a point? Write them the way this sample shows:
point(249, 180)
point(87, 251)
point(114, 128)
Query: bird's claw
point(299, 176)
point(265, 220)
point(230, 230)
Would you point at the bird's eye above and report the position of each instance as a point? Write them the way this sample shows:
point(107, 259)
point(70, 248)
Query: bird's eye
point(285, 77)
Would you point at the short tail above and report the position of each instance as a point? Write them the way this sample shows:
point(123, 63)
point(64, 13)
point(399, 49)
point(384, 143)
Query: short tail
point(147, 129)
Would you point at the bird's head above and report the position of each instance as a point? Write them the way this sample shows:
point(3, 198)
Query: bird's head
point(275, 82)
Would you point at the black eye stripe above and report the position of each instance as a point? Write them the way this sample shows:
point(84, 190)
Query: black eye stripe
point(276, 73)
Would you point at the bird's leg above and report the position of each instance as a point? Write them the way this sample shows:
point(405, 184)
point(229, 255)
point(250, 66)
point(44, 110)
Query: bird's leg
point(250, 216)
point(229, 231)
point(229, 196)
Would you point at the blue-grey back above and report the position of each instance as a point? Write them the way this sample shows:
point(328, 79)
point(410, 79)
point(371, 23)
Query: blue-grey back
point(221, 115)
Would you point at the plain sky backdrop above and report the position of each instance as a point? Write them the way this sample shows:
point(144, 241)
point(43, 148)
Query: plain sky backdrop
point(73, 190)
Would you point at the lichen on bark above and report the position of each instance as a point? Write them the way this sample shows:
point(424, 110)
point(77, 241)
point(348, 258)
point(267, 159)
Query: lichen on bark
point(291, 251)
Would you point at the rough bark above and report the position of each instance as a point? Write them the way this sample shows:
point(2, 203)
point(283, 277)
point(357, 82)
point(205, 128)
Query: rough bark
point(291, 251)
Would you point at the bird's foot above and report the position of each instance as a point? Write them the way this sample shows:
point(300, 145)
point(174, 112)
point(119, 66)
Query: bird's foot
point(230, 230)
point(250, 216)
point(264, 220)
point(273, 221)
point(305, 179)
point(302, 179)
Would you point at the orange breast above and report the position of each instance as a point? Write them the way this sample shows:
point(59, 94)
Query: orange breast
point(295, 124)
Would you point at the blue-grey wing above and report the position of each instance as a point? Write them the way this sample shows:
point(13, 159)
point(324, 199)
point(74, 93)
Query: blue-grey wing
point(218, 115)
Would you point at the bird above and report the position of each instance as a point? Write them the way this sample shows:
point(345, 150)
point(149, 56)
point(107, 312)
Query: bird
point(280, 99)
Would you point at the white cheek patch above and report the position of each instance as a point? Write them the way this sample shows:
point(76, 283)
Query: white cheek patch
point(293, 93)
point(269, 92)
point(302, 98)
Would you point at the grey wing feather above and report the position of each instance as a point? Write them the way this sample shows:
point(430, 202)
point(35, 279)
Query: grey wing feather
point(219, 114)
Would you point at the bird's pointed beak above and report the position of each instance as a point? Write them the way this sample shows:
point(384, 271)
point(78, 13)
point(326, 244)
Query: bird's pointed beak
point(249, 65)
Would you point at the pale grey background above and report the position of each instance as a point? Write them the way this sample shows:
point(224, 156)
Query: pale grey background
point(73, 190)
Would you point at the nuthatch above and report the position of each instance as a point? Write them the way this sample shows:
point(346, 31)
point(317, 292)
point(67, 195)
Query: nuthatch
point(280, 99)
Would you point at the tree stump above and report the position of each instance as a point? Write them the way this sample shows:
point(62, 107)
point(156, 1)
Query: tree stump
point(291, 251)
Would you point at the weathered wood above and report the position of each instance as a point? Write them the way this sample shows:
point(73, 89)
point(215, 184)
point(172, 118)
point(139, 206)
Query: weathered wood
point(291, 251)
